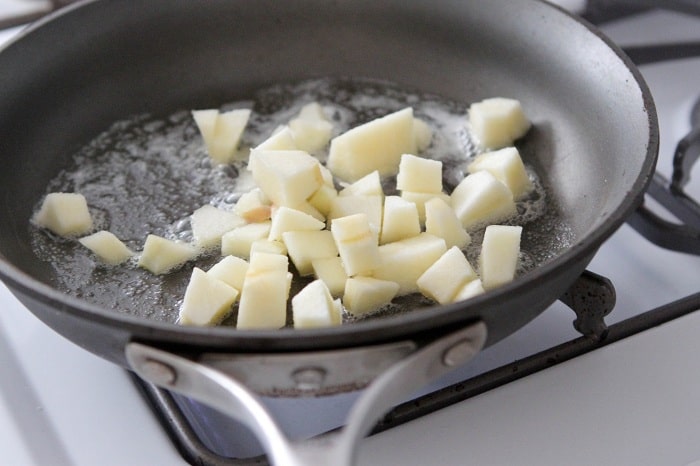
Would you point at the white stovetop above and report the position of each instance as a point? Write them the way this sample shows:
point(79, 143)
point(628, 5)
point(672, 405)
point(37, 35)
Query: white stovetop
point(634, 402)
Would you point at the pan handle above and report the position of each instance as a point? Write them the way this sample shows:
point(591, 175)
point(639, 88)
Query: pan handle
point(225, 393)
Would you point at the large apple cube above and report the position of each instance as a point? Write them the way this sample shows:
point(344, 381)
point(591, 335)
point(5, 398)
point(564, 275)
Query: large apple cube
point(263, 302)
point(313, 307)
point(221, 132)
point(303, 247)
point(357, 244)
point(497, 122)
point(447, 276)
point(210, 223)
point(507, 166)
point(400, 220)
point(441, 221)
point(419, 175)
point(287, 177)
point(366, 294)
point(66, 214)
point(480, 199)
point(161, 255)
point(207, 300)
point(499, 255)
point(107, 247)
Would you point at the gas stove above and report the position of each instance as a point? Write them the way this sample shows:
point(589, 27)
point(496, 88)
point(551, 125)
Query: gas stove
point(545, 395)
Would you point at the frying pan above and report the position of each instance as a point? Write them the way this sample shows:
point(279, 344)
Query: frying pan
point(67, 78)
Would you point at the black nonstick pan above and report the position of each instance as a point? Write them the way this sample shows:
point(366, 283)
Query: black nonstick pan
point(69, 77)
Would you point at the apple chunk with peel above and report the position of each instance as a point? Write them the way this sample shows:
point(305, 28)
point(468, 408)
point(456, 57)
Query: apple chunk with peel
point(286, 177)
point(400, 220)
point(210, 223)
point(447, 276)
point(497, 122)
point(441, 221)
point(265, 291)
point(366, 294)
point(507, 166)
point(376, 145)
point(107, 247)
point(66, 214)
point(207, 300)
point(357, 244)
point(161, 255)
point(480, 199)
point(221, 132)
point(253, 206)
point(313, 307)
point(304, 247)
point(419, 175)
point(499, 255)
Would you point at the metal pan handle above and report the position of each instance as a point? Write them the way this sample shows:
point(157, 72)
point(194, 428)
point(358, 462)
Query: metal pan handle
point(223, 392)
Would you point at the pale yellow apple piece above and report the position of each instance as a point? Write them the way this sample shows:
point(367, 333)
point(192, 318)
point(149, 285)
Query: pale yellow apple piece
point(331, 271)
point(447, 276)
point(371, 206)
point(263, 302)
point(161, 255)
point(480, 199)
point(327, 176)
point(287, 219)
point(423, 133)
point(309, 209)
point(400, 220)
point(253, 206)
point(376, 145)
point(441, 221)
point(305, 246)
point(469, 290)
point(368, 185)
point(508, 168)
point(230, 270)
point(322, 199)
point(238, 242)
point(209, 224)
point(406, 260)
point(366, 294)
point(313, 307)
point(221, 132)
point(499, 255)
point(311, 134)
point(419, 175)
point(356, 243)
point(286, 177)
point(419, 199)
point(269, 246)
point(66, 214)
point(497, 122)
point(207, 300)
point(107, 247)
point(283, 139)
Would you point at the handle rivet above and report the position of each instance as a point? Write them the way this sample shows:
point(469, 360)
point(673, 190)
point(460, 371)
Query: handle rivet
point(159, 372)
point(309, 378)
point(459, 353)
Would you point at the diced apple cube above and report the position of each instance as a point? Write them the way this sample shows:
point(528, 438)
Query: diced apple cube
point(210, 223)
point(331, 271)
point(207, 300)
point(230, 270)
point(441, 221)
point(368, 185)
point(497, 122)
point(313, 307)
point(371, 206)
point(471, 289)
point(305, 246)
point(238, 242)
point(423, 132)
point(406, 260)
point(268, 246)
point(265, 292)
point(286, 219)
point(356, 243)
point(365, 294)
point(499, 255)
point(107, 247)
point(480, 199)
point(221, 132)
point(311, 129)
point(322, 199)
point(419, 175)
point(253, 206)
point(400, 220)
point(287, 178)
point(161, 255)
point(66, 214)
point(508, 168)
point(447, 276)
point(283, 139)
point(419, 199)
point(376, 145)
point(309, 209)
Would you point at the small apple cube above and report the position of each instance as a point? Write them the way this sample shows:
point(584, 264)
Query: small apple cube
point(311, 129)
point(371, 206)
point(268, 246)
point(322, 199)
point(287, 177)
point(356, 243)
point(283, 139)
point(331, 271)
point(207, 300)
point(366, 294)
point(313, 307)
point(230, 270)
point(406, 260)
point(210, 223)
point(419, 175)
point(498, 122)
point(441, 221)
point(263, 302)
point(423, 133)
point(66, 214)
point(400, 220)
point(469, 290)
point(286, 219)
point(309, 209)
point(107, 247)
point(161, 255)
point(499, 255)
point(238, 242)
point(508, 168)
point(253, 206)
point(480, 199)
point(305, 246)
point(447, 276)
point(419, 199)
point(376, 145)
point(221, 132)
point(368, 185)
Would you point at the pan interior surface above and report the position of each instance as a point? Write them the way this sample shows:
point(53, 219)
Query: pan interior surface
point(592, 141)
